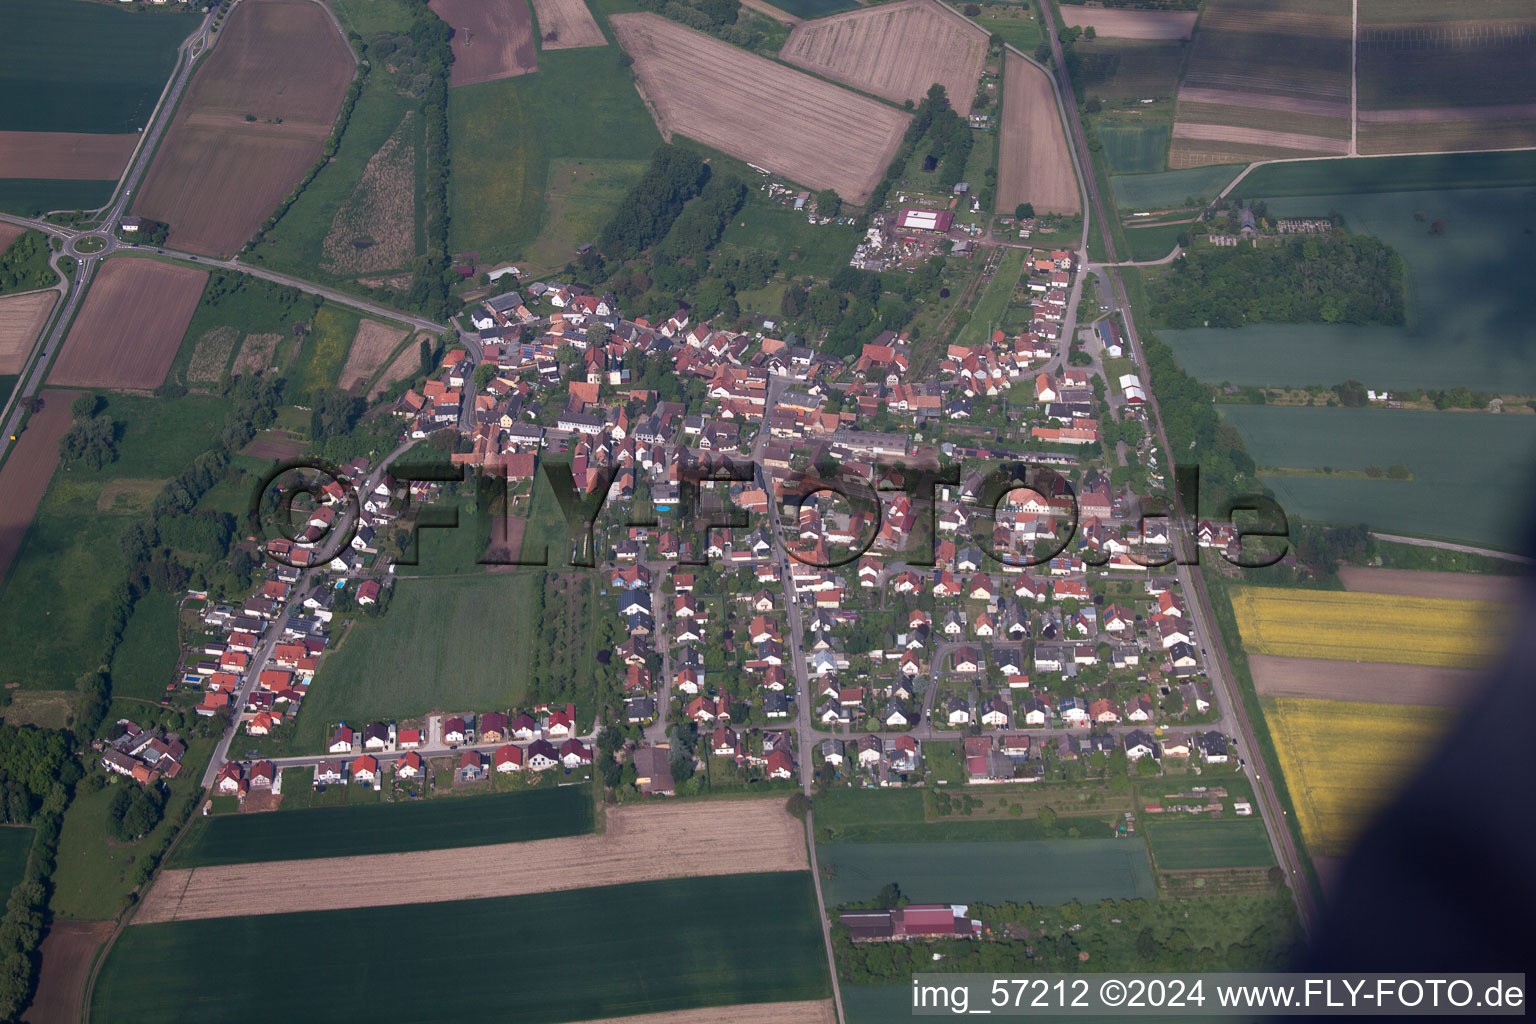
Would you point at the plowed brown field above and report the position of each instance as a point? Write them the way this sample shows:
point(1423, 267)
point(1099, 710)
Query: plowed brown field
point(810, 131)
point(897, 50)
point(491, 39)
point(641, 844)
point(217, 175)
point(371, 346)
point(1033, 164)
point(68, 950)
point(21, 317)
point(1116, 24)
point(127, 332)
point(566, 25)
point(1364, 681)
point(1461, 586)
point(807, 1012)
point(69, 155)
point(26, 473)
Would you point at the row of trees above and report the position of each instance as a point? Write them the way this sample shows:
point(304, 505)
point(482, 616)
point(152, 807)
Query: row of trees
point(703, 221)
point(21, 929)
point(676, 175)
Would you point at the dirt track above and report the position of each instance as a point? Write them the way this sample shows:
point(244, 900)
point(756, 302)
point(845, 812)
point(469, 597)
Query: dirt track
point(808, 1012)
point(21, 317)
point(571, 23)
point(130, 326)
point(70, 155)
point(1033, 164)
point(491, 39)
point(897, 51)
point(67, 950)
point(1119, 24)
point(26, 473)
point(815, 133)
point(642, 843)
point(1365, 681)
point(1460, 586)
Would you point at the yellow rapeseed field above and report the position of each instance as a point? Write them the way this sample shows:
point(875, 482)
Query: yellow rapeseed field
point(1343, 761)
point(1349, 626)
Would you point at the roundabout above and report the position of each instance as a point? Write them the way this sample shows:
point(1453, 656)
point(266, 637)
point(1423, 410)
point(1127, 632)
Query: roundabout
point(87, 245)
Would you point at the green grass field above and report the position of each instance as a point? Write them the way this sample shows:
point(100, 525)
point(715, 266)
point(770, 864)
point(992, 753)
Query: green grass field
point(1135, 148)
point(579, 955)
point(325, 349)
point(1226, 843)
point(146, 659)
point(815, 8)
point(1050, 871)
point(1444, 450)
point(802, 247)
point(15, 847)
point(1017, 26)
point(508, 136)
point(1129, 69)
point(53, 603)
point(1168, 189)
point(987, 314)
point(415, 658)
point(251, 307)
point(1393, 174)
point(1472, 315)
point(1155, 242)
point(29, 197)
point(77, 67)
point(387, 828)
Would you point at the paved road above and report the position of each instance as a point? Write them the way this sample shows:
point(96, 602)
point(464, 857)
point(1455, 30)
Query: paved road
point(1193, 584)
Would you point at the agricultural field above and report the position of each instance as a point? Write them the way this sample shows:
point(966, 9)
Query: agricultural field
point(380, 828)
point(95, 68)
point(566, 25)
point(751, 108)
point(128, 330)
point(1367, 681)
point(1124, 24)
point(238, 324)
point(1344, 761)
point(896, 51)
point(253, 120)
point(1045, 871)
point(325, 348)
point(1369, 627)
point(66, 956)
point(724, 838)
point(1034, 165)
point(491, 40)
point(411, 660)
point(1456, 586)
point(1153, 243)
point(24, 475)
point(815, 8)
point(1134, 148)
point(1171, 188)
point(1440, 450)
point(821, 1011)
point(1265, 81)
point(1215, 844)
point(374, 228)
point(32, 197)
point(1128, 69)
point(522, 181)
point(627, 949)
point(21, 318)
point(372, 347)
point(1431, 173)
point(67, 155)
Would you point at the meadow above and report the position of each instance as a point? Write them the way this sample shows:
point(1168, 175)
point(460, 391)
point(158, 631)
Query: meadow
point(1044, 871)
point(1017, 25)
point(418, 657)
point(505, 136)
point(1134, 148)
point(646, 948)
point(987, 314)
point(1344, 761)
point(815, 8)
point(800, 246)
point(359, 829)
point(53, 604)
point(1153, 243)
point(145, 662)
point(15, 847)
point(77, 67)
point(1354, 626)
point(325, 349)
point(1221, 843)
point(29, 197)
point(1443, 451)
point(1170, 188)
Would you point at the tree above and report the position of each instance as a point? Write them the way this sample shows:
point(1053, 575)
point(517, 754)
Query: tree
point(1024, 211)
point(84, 407)
point(1398, 471)
point(1352, 394)
point(1094, 105)
point(972, 10)
point(1090, 32)
point(1046, 816)
point(484, 374)
point(798, 804)
point(996, 40)
point(828, 203)
point(889, 897)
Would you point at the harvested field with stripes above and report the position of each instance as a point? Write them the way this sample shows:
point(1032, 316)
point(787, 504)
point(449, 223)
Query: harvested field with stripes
point(68, 155)
point(1367, 681)
point(1033, 165)
point(21, 317)
point(705, 838)
point(491, 39)
point(130, 325)
point(810, 131)
point(566, 25)
point(1455, 586)
point(896, 50)
point(1123, 24)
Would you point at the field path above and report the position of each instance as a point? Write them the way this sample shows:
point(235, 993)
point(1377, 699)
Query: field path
point(783, 17)
point(643, 843)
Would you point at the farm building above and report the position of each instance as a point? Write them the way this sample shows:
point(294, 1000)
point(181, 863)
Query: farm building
point(915, 921)
point(925, 220)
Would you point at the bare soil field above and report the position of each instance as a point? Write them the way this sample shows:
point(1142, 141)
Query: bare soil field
point(1445, 136)
point(8, 234)
point(491, 39)
point(253, 120)
point(1288, 23)
point(211, 354)
point(1259, 137)
point(373, 344)
point(1266, 101)
point(274, 444)
point(810, 131)
point(67, 950)
point(1364, 681)
point(69, 155)
point(21, 317)
point(375, 227)
point(702, 838)
point(1416, 115)
point(127, 332)
point(405, 365)
point(1122, 24)
point(256, 353)
point(811, 1011)
point(26, 473)
point(896, 50)
point(566, 25)
point(1459, 586)
point(1033, 164)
